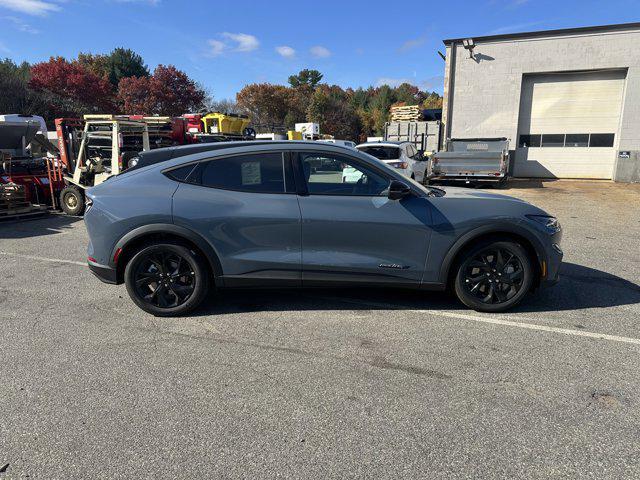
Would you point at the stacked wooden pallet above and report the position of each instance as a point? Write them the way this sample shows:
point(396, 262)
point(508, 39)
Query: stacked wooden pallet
point(13, 200)
point(406, 113)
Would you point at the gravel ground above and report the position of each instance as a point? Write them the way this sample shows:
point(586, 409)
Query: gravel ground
point(327, 383)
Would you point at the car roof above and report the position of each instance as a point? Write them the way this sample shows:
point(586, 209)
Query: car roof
point(381, 144)
point(171, 156)
point(151, 157)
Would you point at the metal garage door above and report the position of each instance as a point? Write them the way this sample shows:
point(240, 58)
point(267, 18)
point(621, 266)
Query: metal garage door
point(568, 124)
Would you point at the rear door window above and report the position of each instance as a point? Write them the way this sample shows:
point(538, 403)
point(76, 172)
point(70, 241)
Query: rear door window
point(258, 173)
point(382, 153)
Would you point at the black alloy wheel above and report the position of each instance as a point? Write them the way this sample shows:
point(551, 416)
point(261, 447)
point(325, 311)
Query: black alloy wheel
point(166, 279)
point(494, 277)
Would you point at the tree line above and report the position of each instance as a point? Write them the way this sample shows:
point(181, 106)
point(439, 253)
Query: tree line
point(120, 82)
point(117, 82)
point(344, 113)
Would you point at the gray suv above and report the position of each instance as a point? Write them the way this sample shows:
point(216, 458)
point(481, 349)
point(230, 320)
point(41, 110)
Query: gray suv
point(305, 214)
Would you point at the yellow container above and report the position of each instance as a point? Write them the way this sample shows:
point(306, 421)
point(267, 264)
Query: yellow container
point(226, 124)
point(293, 135)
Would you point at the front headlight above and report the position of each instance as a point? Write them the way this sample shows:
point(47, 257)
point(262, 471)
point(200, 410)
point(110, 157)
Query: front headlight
point(550, 224)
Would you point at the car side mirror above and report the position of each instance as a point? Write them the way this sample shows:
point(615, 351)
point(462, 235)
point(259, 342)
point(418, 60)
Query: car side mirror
point(398, 190)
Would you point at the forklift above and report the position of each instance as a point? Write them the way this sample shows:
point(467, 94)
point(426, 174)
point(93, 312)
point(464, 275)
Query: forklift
point(94, 150)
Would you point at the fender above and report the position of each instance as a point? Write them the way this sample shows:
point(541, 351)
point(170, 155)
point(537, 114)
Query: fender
point(198, 240)
point(497, 228)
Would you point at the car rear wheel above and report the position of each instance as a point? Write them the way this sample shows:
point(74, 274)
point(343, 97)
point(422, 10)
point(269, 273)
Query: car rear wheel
point(167, 279)
point(494, 276)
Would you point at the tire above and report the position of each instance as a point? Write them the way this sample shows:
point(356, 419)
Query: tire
point(154, 264)
point(488, 281)
point(72, 200)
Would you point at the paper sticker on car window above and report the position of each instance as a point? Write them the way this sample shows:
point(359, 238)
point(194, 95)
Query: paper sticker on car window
point(251, 173)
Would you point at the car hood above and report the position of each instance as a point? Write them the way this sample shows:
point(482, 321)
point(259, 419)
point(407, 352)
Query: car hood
point(467, 193)
point(465, 203)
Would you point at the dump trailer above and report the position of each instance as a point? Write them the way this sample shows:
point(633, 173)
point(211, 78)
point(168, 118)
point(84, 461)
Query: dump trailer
point(471, 160)
point(425, 135)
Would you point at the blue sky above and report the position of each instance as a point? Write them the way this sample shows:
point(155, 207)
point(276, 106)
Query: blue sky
point(225, 45)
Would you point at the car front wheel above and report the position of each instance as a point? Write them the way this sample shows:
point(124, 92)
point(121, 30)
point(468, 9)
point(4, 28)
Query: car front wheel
point(494, 276)
point(167, 279)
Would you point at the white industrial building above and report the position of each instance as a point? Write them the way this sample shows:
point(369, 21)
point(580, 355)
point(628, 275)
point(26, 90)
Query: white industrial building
point(568, 100)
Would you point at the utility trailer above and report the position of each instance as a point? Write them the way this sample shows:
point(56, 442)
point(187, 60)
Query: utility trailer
point(425, 135)
point(471, 160)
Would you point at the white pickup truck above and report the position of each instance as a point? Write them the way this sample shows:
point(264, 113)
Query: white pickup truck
point(471, 160)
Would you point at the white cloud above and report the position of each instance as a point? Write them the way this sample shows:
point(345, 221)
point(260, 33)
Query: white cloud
point(21, 26)
point(216, 47)
point(4, 48)
point(393, 82)
point(413, 43)
point(244, 41)
point(320, 52)
point(434, 83)
point(286, 52)
point(30, 7)
point(517, 27)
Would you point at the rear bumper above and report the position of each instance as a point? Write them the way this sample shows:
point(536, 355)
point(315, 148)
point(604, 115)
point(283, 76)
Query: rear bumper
point(104, 273)
point(463, 177)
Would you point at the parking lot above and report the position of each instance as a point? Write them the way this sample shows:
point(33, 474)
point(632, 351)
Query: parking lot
point(326, 383)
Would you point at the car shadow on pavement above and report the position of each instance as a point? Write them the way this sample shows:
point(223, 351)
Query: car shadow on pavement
point(582, 287)
point(48, 225)
point(579, 287)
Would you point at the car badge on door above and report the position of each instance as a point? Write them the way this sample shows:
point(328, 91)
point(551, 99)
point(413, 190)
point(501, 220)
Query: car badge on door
point(393, 265)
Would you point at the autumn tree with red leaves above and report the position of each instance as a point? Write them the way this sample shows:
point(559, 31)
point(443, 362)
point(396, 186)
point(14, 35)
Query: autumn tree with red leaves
point(69, 88)
point(168, 91)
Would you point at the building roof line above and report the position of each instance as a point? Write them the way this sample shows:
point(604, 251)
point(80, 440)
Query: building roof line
point(549, 33)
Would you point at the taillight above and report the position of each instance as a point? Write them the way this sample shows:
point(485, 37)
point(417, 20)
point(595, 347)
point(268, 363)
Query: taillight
point(399, 164)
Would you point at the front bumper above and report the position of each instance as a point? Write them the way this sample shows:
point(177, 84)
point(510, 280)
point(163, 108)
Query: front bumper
point(103, 272)
point(553, 263)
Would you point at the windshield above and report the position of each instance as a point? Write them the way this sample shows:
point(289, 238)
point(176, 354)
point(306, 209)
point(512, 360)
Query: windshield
point(382, 153)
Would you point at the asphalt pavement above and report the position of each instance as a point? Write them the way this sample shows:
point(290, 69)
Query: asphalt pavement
point(326, 383)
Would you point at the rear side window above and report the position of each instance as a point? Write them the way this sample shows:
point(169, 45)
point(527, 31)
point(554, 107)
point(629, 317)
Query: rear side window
point(180, 174)
point(382, 153)
point(258, 173)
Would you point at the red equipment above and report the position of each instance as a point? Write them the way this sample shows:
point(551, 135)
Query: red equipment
point(40, 176)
